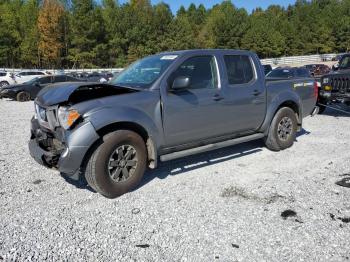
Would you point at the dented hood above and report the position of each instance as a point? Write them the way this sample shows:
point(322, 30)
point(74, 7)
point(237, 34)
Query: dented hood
point(75, 92)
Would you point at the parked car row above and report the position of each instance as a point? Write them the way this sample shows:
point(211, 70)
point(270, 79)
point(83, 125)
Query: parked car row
point(29, 90)
point(8, 78)
point(25, 86)
point(101, 77)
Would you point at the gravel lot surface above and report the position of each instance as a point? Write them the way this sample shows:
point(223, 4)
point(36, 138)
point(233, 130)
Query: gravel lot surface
point(218, 206)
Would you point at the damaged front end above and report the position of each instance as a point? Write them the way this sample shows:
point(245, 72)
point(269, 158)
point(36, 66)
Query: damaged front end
point(60, 135)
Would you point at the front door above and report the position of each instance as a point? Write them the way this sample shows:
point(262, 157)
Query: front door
point(191, 114)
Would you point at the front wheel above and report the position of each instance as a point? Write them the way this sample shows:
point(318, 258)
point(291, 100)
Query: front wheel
point(118, 164)
point(283, 130)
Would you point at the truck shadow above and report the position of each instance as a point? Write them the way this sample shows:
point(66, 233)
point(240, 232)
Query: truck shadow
point(183, 165)
point(186, 164)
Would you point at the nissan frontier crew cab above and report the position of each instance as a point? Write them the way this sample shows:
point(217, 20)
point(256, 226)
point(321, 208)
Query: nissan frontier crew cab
point(163, 107)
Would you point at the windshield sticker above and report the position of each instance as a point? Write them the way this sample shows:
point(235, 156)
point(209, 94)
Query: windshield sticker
point(168, 57)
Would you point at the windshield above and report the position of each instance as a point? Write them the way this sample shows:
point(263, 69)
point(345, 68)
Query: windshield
point(143, 73)
point(280, 73)
point(345, 63)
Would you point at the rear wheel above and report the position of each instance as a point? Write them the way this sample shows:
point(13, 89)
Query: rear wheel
point(23, 96)
point(118, 164)
point(283, 129)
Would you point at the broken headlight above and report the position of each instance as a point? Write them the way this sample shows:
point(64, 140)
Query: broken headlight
point(67, 117)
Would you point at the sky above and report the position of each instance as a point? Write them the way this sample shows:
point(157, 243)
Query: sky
point(249, 5)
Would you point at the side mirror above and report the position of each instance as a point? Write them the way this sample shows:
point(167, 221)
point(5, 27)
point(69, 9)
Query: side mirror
point(181, 82)
point(335, 67)
point(37, 84)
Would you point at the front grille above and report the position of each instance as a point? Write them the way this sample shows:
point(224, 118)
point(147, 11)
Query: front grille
point(340, 84)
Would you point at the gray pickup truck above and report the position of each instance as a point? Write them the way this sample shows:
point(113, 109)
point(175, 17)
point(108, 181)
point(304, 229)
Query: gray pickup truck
point(163, 107)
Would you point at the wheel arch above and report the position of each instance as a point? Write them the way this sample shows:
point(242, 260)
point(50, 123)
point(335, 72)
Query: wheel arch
point(292, 103)
point(131, 126)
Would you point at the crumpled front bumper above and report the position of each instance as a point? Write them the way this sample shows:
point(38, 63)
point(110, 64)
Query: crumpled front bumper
point(69, 159)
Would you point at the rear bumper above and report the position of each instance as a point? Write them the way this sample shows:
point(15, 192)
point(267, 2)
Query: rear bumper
point(69, 158)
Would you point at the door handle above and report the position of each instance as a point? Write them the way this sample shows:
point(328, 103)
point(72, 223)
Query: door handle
point(217, 97)
point(256, 92)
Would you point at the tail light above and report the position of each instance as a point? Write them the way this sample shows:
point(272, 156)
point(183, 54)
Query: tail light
point(315, 89)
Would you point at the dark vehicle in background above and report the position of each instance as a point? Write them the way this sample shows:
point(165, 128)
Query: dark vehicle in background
point(280, 73)
point(29, 90)
point(164, 107)
point(335, 86)
point(267, 69)
point(338, 57)
point(317, 70)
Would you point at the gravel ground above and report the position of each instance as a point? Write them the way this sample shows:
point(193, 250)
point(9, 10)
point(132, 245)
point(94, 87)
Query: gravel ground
point(218, 206)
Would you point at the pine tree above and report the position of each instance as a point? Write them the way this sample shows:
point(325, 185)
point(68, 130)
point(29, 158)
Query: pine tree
point(50, 32)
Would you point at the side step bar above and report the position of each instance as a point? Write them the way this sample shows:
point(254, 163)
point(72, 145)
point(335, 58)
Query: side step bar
point(210, 147)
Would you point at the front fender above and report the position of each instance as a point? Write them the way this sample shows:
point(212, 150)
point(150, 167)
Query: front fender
point(113, 115)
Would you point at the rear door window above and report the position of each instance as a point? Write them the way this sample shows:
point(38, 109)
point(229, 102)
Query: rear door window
point(239, 69)
point(59, 79)
point(44, 80)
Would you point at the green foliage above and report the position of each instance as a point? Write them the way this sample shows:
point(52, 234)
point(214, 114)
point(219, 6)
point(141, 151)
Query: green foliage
point(110, 34)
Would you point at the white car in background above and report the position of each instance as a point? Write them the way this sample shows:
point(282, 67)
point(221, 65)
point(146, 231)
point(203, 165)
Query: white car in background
point(6, 78)
point(26, 76)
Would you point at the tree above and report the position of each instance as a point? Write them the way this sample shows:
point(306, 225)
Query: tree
point(29, 34)
point(87, 30)
point(226, 26)
point(50, 32)
point(10, 33)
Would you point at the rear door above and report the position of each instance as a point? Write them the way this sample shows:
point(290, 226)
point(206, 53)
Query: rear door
point(244, 91)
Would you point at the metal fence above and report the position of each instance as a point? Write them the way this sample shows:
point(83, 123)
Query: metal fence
point(292, 60)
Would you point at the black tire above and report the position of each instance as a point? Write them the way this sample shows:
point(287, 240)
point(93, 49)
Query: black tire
point(283, 130)
point(23, 96)
point(4, 83)
point(321, 109)
point(98, 172)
